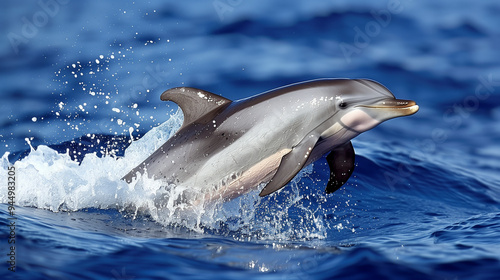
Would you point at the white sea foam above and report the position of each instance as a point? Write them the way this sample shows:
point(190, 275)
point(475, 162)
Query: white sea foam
point(49, 180)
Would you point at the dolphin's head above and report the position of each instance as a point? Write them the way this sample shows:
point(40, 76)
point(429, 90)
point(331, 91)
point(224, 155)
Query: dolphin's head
point(363, 104)
point(360, 105)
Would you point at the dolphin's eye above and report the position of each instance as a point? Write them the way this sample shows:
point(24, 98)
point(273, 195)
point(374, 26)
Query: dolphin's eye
point(340, 102)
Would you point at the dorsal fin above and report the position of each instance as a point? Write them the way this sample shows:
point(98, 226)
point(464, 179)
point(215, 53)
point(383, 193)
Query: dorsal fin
point(197, 105)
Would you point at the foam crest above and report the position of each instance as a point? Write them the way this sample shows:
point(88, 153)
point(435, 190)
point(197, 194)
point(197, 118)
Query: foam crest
point(49, 180)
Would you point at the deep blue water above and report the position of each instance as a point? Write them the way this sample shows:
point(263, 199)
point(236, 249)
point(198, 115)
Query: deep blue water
point(424, 199)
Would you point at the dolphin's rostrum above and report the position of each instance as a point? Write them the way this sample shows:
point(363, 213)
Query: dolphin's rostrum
point(226, 148)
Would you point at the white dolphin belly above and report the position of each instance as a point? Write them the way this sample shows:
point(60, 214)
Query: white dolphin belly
point(234, 185)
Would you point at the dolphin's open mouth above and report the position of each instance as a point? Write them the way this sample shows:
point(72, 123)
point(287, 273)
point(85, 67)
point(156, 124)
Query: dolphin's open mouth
point(399, 107)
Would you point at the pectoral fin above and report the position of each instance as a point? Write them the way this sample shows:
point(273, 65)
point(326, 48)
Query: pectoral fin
point(341, 162)
point(290, 165)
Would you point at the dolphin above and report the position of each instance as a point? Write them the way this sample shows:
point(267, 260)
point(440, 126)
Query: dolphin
point(227, 148)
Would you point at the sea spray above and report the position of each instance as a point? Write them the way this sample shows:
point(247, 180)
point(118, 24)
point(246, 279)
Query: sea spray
point(54, 181)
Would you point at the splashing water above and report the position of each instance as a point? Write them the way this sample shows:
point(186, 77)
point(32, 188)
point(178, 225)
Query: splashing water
point(54, 181)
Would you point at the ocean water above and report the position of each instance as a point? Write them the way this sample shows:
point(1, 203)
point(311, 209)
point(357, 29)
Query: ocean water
point(80, 85)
